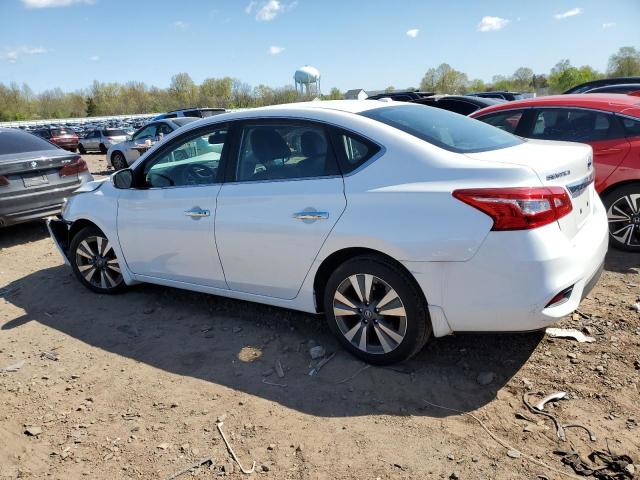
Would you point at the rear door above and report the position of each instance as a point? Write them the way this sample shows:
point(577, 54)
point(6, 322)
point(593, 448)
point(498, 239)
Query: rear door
point(283, 196)
point(599, 129)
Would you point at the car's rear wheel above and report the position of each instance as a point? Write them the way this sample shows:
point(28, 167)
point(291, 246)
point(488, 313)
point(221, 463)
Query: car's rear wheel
point(118, 161)
point(81, 149)
point(623, 213)
point(94, 261)
point(376, 310)
point(103, 149)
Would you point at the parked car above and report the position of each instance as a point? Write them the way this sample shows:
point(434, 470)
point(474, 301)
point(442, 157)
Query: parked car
point(610, 123)
point(396, 220)
point(508, 96)
point(101, 140)
point(35, 176)
point(63, 137)
point(402, 96)
point(462, 104)
point(584, 87)
point(625, 88)
point(123, 154)
point(191, 112)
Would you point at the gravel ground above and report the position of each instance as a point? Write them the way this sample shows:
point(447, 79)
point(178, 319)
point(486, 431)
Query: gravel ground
point(137, 382)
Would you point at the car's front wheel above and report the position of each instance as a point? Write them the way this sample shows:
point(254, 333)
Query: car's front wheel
point(376, 310)
point(94, 261)
point(81, 149)
point(118, 161)
point(623, 213)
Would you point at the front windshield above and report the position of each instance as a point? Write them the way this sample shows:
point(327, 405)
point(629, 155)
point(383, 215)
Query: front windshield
point(444, 129)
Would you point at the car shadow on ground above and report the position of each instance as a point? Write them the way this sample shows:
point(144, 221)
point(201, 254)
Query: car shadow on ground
point(622, 262)
point(236, 344)
point(22, 233)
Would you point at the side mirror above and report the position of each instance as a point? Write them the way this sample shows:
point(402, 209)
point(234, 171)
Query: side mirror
point(123, 179)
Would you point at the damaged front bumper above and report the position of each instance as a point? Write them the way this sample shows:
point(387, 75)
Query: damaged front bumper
point(59, 233)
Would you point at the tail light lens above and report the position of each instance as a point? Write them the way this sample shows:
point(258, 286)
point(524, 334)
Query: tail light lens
point(4, 181)
point(518, 208)
point(77, 166)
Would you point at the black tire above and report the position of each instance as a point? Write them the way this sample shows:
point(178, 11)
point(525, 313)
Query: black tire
point(93, 262)
point(81, 149)
point(118, 161)
point(414, 328)
point(103, 149)
point(624, 233)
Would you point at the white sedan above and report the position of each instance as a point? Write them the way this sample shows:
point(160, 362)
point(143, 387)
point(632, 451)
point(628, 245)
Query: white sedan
point(398, 221)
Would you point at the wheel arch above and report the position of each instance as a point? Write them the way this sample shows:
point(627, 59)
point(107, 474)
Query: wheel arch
point(337, 258)
point(615, 186)
point(78, 225)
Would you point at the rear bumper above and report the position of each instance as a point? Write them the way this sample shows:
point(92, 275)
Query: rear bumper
point(510, 281)
point(25, 205)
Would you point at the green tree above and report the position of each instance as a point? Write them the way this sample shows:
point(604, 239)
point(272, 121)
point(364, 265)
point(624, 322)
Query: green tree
point(335, 94)
point(183, 91)
point(390, 89)
point(444, 79)
point(522, 79)
point(625, 63)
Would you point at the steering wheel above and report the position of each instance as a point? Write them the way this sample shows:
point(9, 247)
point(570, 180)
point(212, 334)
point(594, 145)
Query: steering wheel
point(197, 174)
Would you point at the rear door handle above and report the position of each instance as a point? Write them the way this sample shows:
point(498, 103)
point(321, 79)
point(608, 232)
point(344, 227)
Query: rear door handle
point(197, 212)
point(311, 215)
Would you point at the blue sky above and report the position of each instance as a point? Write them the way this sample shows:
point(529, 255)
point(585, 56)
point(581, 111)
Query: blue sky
point(69, 43)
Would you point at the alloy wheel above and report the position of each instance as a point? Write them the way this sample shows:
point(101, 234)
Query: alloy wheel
point(97, 263)
point(624, 220)
point(370, 313)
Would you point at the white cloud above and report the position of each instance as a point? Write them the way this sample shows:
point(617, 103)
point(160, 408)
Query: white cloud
point(11, 55)
point(488, 24)
point(180, 24)
point(268, 11)
point(54, 3)
point(275, 50)
point(413, 33)
point(94, 58)
point(569, 13)
point(608, 25)
point(249, 8)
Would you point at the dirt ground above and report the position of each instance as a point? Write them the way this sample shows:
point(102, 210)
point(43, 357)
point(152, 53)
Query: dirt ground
point(137, 382)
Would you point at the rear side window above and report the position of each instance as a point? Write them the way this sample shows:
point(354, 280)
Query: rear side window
point(573, 125)
point(114, 132)
point(444, 129)
point(631, 126)
point(457, 106)
point(352, 150)
point(507, 121)
point(17, 141)
point(278, 151)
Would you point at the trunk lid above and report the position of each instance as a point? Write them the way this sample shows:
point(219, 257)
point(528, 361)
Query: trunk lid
point(38, 169)
point(565, 164)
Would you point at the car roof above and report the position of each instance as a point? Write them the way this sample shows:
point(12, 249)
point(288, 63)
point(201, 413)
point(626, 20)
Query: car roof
point(611, 102)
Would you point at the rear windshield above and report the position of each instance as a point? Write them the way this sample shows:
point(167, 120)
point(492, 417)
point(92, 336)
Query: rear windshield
point(57, 132)
point(17, 141)
point(444, 129)
point(114, 132)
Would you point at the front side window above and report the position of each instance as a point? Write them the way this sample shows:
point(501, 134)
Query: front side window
point(444, 129)
point(572, 125)
point(507, 121)
point(284, 151)
point(147, 132)
point(194, 161)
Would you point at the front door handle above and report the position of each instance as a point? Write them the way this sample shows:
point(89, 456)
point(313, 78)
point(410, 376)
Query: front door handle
point(311, 215)
point(197, 212)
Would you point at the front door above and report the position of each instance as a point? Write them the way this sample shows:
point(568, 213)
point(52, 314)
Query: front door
point(166, 225)
point(283, 197)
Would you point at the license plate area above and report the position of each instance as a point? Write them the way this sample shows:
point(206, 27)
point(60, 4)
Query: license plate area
point(34, 180)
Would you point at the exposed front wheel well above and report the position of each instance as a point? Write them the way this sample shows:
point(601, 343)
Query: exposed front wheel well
point(79, 225)
point(336, 259)
point(615, 186)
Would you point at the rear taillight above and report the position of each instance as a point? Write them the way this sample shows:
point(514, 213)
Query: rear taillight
point(4, 181)
point(77, 166)
point(518, 208)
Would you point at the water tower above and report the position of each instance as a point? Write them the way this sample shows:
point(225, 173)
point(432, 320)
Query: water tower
point(307, 80)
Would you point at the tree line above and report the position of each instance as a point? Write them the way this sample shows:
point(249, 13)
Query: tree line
point(19, 102)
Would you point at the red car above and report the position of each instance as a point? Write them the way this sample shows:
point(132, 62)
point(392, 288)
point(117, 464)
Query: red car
point(60, 136)
point(610, 123)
